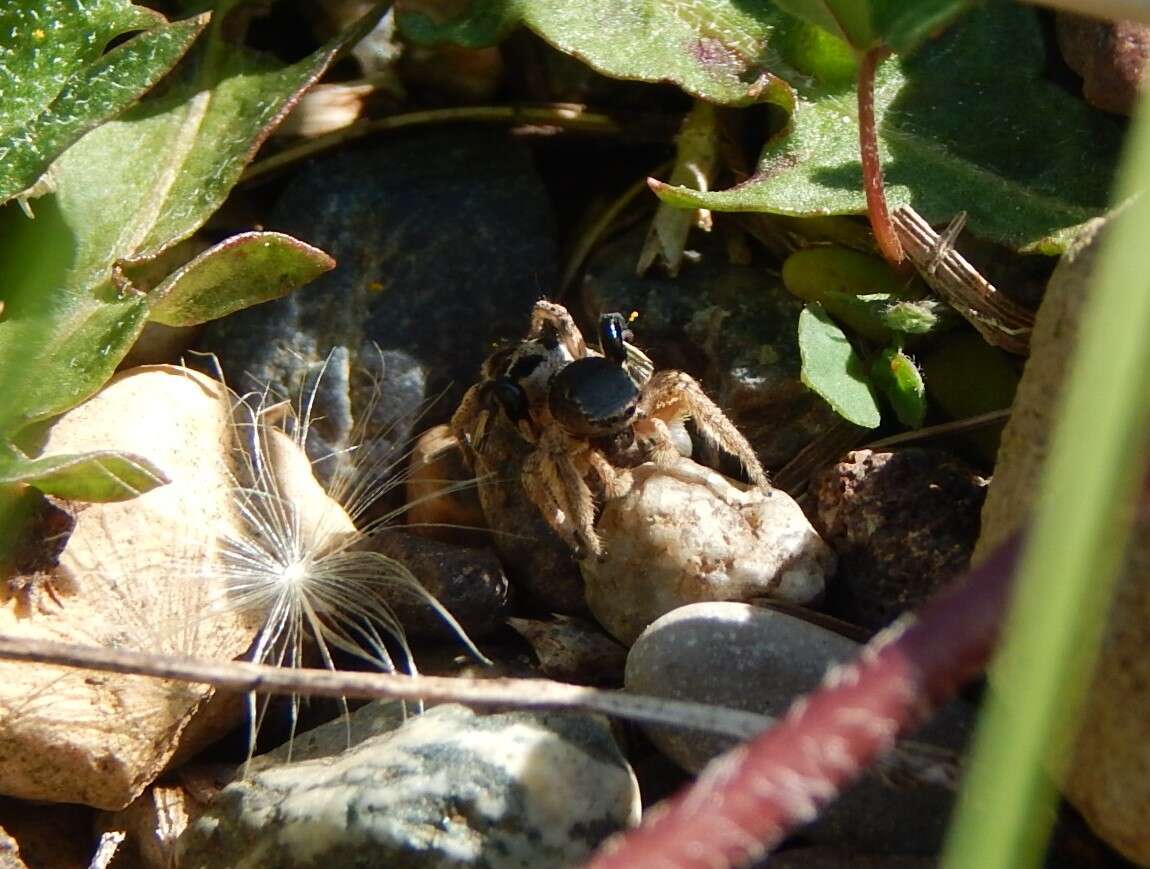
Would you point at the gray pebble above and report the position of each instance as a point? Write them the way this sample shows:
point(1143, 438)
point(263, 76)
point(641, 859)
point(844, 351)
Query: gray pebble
point(737, 655)
point(450, 788)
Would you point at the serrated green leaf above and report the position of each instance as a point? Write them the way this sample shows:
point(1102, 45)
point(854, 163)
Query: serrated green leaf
point(713, 49)
point(241, 271)
point(898, 378)
point(126, 192)
point(833, 370)
point(57, 83)
point(96, 476)
point(968, 124)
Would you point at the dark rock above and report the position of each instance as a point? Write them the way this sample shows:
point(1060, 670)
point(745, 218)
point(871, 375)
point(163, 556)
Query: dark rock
point(572, 650)
point(733, 327)
point(904, 523)
point(443, 242)
point(45, 835)
point(729, 654)
point(468, 583)
point(448, 788)
point(821, 857)
point(1111, 57)
point(737, 655)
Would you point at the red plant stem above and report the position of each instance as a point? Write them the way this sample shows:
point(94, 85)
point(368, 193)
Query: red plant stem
point(884, 235)
point(749, 799)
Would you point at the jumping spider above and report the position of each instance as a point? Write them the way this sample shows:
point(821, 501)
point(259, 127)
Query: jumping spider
point(588, 416)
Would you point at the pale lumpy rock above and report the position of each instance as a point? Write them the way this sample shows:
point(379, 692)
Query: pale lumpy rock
point(687, 534)
point(450, 788)
point(143, 574)
point(1108, 781)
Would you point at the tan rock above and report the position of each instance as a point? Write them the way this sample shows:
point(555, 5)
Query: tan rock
point(142, 574)
point(10, 852)
point(688, 534)
point(153, 822)
point(133, 575)
point(1109, 779)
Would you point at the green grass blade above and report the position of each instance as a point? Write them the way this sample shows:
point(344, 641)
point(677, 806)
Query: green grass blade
point(1079, 528)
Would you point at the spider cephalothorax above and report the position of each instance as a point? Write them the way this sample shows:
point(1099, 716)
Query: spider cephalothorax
point(588, 415)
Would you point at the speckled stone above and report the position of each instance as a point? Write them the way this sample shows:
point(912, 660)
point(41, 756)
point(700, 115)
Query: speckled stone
point(443, 240)
point(1111, 56)
point(903, 523)
point(449, 788)
point(10, 852)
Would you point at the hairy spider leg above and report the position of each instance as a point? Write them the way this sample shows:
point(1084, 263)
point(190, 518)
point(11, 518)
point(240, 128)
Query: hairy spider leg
point(673, 396)
point(556, 316)
point(553, 481)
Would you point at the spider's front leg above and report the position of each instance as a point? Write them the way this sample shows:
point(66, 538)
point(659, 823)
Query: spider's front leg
point(554, 483)
point(673, 396)
point(551, 316)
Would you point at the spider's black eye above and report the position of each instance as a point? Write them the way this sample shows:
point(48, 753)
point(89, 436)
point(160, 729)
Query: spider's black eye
point(523, 367)
point(612, 332)
point(549, 336)
point(510, 396)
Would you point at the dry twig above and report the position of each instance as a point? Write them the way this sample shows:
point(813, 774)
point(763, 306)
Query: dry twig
point(1000, 320)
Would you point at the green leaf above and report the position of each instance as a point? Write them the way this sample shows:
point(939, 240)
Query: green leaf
point(241, 271)
point(968, 124)
point(898, 378)
point(126, 192)
point(833, 370)
point(905, 26)
point(95, 476)
point(58, 82)
point(846, 20)
point(713, 49)
point(918, 318)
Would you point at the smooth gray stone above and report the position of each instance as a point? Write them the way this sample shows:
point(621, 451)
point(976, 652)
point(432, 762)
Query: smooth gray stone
point(738, 655)
point(449, 788)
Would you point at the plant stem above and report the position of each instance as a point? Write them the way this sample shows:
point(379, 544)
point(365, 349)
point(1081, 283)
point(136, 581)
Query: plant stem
point(563, 116)
point(910, 761)
point(884, 234)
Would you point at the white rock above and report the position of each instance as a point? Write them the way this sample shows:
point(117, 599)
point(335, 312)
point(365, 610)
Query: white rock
point(688, 534)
